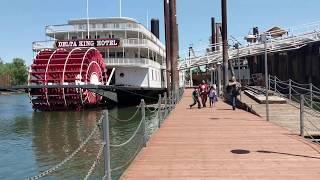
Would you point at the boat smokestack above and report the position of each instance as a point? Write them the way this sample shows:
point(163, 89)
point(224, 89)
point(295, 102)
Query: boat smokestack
point(155, 27)
point(213, 33)
point(255, 31)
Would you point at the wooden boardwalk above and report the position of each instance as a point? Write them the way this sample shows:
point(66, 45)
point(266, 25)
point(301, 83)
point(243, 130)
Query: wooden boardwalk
point(286, 115)
point(223, 144)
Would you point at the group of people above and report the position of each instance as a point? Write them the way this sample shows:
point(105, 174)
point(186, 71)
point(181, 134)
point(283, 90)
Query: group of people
point(204, 91)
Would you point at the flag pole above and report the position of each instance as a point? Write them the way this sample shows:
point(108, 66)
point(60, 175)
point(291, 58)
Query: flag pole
point(88, 28)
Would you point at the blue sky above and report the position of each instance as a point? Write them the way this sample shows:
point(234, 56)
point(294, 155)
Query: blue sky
point(23, 21)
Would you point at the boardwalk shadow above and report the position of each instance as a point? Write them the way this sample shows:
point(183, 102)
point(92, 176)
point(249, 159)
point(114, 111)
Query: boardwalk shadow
point(219, 118)
point(288, 154)
point(224, 109)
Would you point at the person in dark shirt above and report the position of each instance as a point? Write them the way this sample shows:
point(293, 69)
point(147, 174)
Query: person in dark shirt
point(195, 97)
point(234, 90)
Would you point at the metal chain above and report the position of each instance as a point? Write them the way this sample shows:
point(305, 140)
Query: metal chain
point(128, 162)
point(134, 134)
point(127, 120)
point(300, 83)
point(56, 167)
point(151, 111)
point(96, 162)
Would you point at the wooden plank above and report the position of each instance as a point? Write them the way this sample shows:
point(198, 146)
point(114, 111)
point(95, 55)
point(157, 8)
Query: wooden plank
point(199, 144)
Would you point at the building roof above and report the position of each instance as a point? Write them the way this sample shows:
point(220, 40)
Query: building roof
point(276, 31)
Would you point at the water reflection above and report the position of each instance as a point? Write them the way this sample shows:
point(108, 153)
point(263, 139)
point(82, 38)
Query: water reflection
point(31, 142)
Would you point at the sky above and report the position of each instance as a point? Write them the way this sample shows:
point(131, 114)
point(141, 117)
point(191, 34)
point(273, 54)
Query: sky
point(23, 21)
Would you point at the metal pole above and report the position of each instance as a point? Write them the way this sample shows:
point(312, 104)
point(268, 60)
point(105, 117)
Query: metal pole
point(219, 79)
point(302, 115)
point(165, 104)
point(106, 138)
point(211, 76)
point(311, 96)
point(239, 68)
point(143, 114)
point(269, 81)
point(120, 8)
point(290, 90)
point(275, 83)
point(88, 27)
point(264, 38)
point(159, 111)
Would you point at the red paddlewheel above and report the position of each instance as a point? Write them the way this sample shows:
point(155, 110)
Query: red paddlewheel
point(66, 67)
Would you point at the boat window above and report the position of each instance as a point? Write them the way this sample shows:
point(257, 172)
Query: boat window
point(97, 36)
point(122, 75)
point(74, 37)
point(120, 54)
point(112, 55)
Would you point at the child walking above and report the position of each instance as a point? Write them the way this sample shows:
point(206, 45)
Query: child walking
point(213, 96)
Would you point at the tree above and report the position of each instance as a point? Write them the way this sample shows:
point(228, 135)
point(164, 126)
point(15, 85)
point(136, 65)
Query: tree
point(19, 71)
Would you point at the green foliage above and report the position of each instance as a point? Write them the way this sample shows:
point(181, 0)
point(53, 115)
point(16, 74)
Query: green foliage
point(17, 70)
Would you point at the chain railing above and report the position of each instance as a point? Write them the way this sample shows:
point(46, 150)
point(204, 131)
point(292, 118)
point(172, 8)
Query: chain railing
point(305, 97)
point(139, 137)
point(309, 123)
point(292, 91)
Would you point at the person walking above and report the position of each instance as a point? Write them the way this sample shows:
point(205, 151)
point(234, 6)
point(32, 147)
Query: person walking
point(203, 87)
point(195, 97)
point(234, 88)
point(213, 96)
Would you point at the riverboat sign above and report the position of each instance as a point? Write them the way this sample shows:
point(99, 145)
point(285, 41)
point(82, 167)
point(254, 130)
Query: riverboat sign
point(88, 43)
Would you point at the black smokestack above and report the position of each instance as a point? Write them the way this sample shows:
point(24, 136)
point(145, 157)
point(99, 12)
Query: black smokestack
point(255, 31)
point(213, 33)
point(155, 27)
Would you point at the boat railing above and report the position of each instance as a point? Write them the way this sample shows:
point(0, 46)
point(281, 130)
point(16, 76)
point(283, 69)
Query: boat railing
point(67, 28)
point(131, 61)
point(131, 42)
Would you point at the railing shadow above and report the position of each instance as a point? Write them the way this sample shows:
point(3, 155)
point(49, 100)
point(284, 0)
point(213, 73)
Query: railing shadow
point(288, 154)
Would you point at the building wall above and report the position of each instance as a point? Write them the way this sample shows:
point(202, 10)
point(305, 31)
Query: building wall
point(301, 65)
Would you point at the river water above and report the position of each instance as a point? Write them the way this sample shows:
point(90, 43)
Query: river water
point(31, 142)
